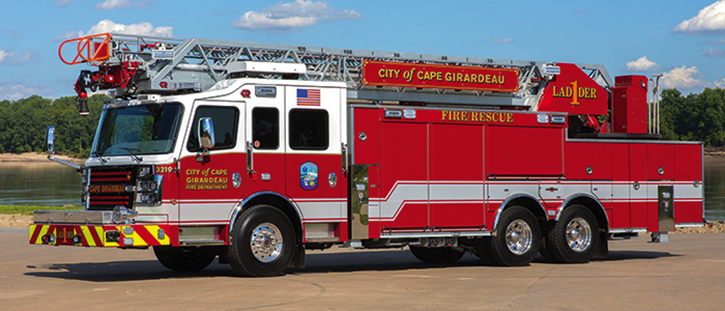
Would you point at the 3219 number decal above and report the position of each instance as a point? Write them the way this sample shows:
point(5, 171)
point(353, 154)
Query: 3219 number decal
point(164, 169)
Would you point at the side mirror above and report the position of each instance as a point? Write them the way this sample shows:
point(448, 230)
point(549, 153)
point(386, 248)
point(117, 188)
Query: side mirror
point(206, 138)
point(49, 140)
point(206, 133)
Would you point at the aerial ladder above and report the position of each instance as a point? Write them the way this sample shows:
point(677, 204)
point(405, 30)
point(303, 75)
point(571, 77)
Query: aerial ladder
point(131, 65)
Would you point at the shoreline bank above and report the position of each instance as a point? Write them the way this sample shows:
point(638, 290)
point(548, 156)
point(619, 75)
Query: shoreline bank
point(34, 158)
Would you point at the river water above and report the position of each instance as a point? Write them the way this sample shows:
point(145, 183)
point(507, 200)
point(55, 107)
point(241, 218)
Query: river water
point(57, 185)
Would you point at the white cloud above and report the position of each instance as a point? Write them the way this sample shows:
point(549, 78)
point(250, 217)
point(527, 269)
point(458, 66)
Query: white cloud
point(502, 41)
point(18, 91)
point(11, 58)
point(713, 53)
point(642, 64)
point(292, 15)
point(70, 34)
point(143, 28)
point(682, 78)
point(120, 4)
point(62, 3)
point(709, 19)
point(107, 25)
point(6, 55)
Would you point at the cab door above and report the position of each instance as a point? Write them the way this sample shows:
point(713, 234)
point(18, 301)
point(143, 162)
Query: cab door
point(208, 188)
point(316, 180)
point(264, 140)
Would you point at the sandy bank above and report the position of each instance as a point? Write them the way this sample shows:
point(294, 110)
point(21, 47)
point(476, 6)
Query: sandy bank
point(34, 158)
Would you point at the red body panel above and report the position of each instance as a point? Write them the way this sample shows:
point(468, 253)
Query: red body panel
point(574, 92)
point(434, 170)
point(456, 160)
point(524, 151)
point(629, 105)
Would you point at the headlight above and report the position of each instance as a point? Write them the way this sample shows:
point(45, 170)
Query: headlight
point(148, 190)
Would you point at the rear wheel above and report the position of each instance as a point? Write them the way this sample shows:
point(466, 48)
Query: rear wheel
point(184, 258)
point(262, 242)
point(437, 255)
point(515, 241)
point(574, 237)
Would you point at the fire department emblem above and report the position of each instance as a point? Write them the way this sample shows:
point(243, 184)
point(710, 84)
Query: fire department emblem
point(308, 176)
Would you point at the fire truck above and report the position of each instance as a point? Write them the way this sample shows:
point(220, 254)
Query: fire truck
point(255, 153)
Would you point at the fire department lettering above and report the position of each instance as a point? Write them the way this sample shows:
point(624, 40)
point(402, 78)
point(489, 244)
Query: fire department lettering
point(477, 116)
point(208, 179)
point(106, 188)
point(575, 93)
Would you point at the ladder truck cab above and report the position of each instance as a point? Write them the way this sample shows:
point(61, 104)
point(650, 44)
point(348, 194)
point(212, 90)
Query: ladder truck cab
point(255, 153)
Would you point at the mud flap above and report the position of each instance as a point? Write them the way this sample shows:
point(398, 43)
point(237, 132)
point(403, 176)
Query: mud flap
point(298, 259)
point(602, 251)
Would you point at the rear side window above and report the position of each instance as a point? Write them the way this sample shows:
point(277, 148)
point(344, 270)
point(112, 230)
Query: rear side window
point(308, 129)
point(265, 128)
point(225, 120)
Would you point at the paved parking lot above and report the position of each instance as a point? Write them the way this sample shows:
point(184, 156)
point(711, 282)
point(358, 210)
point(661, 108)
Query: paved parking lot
point(685, 274)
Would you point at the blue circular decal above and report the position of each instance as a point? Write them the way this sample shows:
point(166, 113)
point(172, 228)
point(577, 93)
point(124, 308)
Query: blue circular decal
point(308, 176)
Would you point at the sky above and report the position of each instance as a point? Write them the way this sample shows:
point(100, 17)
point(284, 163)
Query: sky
point(684, 40)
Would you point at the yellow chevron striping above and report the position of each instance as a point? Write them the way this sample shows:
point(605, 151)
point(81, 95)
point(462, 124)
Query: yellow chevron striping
point(101, 235)
point(137, 240)
point(154, 231)
point(86, 230)
point(43, 231)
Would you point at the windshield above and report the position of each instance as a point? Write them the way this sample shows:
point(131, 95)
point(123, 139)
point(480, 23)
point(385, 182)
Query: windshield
point(136, 130)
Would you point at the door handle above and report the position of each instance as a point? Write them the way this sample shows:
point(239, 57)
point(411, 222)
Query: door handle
point(250, 161)
point(344, 158)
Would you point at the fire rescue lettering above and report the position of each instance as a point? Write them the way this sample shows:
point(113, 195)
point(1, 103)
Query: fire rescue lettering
point(208, 179)
point(477, 116)
point(423, 75)
point(575, 93)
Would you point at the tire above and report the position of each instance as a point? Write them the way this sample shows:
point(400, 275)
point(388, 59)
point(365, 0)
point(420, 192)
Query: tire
point(516, 239)
point(184, 258)
point(262, 242)
point(575, 236)
point(437, 255)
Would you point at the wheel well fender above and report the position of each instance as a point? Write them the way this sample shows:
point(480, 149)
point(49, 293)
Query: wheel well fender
point(525, 200)
point(590, 202)
point(276, 200)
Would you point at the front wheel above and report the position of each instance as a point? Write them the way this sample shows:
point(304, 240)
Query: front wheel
point(184, 258)
point(261, 242)
point(437, 255)
point(516, 239)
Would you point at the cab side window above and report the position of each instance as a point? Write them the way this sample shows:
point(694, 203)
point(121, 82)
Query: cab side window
point(308, 129)
point(265, 128)
point(225, 120)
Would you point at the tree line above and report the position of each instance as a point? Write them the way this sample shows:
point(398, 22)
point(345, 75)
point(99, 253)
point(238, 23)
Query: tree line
point(694, 117)
point(23, 123)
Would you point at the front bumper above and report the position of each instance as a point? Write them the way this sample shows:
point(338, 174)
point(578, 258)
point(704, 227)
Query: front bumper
point(100, 235)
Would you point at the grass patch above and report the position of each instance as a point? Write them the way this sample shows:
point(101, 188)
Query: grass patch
point(29, 209)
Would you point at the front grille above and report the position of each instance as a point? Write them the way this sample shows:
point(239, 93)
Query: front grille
point(107, 188)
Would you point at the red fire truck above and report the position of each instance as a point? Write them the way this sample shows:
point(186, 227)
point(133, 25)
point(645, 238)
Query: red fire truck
point(257, 152)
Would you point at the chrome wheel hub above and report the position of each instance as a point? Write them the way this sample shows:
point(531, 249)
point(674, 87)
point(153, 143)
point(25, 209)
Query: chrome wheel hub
point(266, 242)
point(519, 237)
point(578, 234)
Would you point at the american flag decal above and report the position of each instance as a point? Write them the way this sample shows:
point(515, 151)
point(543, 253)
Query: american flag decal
point(308, 97)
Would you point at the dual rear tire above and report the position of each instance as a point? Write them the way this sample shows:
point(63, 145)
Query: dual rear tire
point(515, 241)
point(572, 239)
